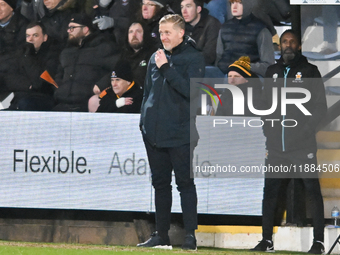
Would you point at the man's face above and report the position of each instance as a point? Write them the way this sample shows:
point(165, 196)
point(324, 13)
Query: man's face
point(148, 9)
point(136, 36)
point(171, 35)
point(6, 11)
point(234, 78)
point(237, 9)
point(190, 11)
point(75, 33)
point(119, 86)
point(51, 4)
point(35, 36)
point(290, 47)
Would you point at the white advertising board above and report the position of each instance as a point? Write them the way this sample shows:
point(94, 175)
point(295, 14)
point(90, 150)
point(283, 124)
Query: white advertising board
point(98, 162)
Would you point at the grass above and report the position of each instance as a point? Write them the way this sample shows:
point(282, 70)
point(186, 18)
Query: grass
point(24, 248)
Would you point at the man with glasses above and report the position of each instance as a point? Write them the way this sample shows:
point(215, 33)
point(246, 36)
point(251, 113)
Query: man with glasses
point(87, 58)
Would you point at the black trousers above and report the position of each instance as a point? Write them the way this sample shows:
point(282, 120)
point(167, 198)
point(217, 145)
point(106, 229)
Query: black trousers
point(162, 161)
point(272, 187)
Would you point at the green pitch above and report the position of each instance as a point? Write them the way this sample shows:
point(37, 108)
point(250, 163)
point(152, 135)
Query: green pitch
point(23, 248)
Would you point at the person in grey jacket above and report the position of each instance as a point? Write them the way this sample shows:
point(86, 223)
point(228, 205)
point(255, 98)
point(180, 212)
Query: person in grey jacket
point(244, 35)
point(168, 127)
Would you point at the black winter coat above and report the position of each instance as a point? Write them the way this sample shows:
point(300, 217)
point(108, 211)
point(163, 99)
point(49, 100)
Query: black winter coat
point(205, 34)
point(25, 77)
point(300, 74)
point(166, 117)
point(109, 98)
point(12, 37)
point(82, 66)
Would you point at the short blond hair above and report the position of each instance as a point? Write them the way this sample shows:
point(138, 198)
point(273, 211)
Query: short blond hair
point(176, 19)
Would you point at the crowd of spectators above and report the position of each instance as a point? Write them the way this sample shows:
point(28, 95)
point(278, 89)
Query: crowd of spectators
point(77, 44)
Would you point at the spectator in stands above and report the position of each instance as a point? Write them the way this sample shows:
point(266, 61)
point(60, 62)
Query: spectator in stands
point(38, 55)
point(86, 59)
point(118, 15)
point(168, 129)
point(244, 35)
point(152, 12)
point(137, 50)
point(240, 75)
point(294, 145)
point(32, 9)
point(124, 95)
point(272, 10)
point(56, 18)
point(201, 27)
point(12, 36)
point(217, 9)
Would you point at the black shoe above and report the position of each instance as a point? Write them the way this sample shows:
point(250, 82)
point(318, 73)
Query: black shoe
point(156, 241)
point(189, 243)
point(264, 245)
point(317, 248)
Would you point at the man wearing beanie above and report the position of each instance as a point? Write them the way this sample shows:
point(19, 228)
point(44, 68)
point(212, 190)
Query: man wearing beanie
point(124, 96)
point(240, 75)
point(168, 128)
point(88, 57)
point(12, 36)
point(244, 35)
point(291, 138)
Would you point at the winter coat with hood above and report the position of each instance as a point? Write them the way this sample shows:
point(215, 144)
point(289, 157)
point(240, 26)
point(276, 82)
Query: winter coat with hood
point(299, 74)
point(166, 117)
point(205, 34)
point(247, 36)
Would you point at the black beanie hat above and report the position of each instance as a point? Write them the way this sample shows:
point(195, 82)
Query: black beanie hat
point(12, 3)
point(242, 66)
point(123, 71)
point(82, 19)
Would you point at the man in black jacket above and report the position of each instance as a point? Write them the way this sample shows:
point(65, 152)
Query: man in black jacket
point(168, 127)
point(40, 54)
point(290, 133)
point(201, 27)
point(88, 57)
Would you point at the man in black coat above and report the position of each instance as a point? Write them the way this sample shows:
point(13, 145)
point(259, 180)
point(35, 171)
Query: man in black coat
point(40, 54)
point(168, 127)
point(88, 57)
point(12, 37)
point(290, 131)
point(201, 27)
point(124, 95)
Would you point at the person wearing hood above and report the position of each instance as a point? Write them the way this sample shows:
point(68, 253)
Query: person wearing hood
point(290, 134)
point(201, 27)
point(168, 127)
point(240, 75)
point(244, 35)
